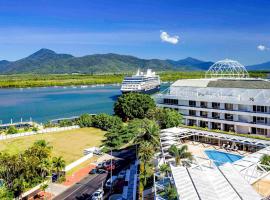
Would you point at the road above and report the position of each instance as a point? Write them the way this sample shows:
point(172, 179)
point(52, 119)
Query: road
point(83, 189)
point(87, 186)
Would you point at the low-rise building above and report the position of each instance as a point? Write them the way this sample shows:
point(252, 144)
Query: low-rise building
point(226, 99)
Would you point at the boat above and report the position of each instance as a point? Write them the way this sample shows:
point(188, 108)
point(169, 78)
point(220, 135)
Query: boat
point(141, 82)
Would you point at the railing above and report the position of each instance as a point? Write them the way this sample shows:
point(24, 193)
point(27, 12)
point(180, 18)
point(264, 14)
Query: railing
point(43, 131)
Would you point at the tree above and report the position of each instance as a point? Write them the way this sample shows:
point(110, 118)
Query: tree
point(12, 130)
point(265, 161)
point(133, 105)
point(58, 164)
point(85, 120)
point(106, 122)
point(65, 123)
point(5, 193)
point(146, 153)
point(180, 153)
point(149, 132)
point(170, 193)
point(164, 169)
point(113, 138)
point(165, 117)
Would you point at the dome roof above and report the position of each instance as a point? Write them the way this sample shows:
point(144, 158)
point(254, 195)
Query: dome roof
point(227, 69)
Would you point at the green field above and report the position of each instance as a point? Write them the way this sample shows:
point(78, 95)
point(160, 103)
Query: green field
point(34, 80)
point(69, 144)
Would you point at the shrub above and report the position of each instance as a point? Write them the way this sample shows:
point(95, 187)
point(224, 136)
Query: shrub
point(12, 130)
point(106, 122)
point(85, 120)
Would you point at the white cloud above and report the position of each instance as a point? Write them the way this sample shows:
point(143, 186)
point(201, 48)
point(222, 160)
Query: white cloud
point(165, 37)
point(262, 47)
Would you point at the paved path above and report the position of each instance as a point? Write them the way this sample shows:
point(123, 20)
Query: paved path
point(83, 189)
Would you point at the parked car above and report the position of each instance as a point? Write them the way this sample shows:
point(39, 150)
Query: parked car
point(110, 182)
point(97, 171)
point(98, 152)
point(98, 195)
point(93, 171)
point(100, 165)
point(121, 174)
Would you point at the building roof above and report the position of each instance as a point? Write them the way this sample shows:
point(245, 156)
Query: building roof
point(245, 83)
point(212, 184)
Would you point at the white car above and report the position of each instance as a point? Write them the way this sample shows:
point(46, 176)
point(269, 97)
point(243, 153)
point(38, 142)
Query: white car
point(98, 195)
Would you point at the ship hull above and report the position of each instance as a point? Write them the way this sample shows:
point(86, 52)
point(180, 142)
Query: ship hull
point(151, 91)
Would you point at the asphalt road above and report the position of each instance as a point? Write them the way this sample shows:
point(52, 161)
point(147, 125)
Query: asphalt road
point(87, 186)
point(83, 189)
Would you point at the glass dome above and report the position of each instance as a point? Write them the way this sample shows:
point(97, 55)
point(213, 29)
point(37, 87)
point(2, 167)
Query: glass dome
point(227, 69)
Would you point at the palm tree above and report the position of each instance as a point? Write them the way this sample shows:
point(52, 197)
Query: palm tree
point(265, 161)
point(146, 153)
point(171, 192)
point(149, 132)
point(58, 163)
point(180, 153)
point(164, 169)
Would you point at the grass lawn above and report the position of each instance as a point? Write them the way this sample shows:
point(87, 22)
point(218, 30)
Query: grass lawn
point(69, 144)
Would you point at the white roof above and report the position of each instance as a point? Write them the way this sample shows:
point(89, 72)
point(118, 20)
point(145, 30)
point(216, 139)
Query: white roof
point(191, 83)
point(224, 183)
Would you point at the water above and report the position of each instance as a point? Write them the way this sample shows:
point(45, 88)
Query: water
point(220, 158)
point(43, 104)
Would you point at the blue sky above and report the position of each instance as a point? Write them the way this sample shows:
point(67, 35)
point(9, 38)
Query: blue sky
point(207, 29)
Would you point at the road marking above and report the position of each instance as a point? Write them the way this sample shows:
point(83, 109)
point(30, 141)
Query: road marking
point(79, 188)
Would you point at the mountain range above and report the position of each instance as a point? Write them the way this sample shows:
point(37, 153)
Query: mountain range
point(46, 61)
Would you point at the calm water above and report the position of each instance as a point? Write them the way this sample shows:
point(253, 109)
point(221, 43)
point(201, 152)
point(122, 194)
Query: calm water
point(43, 104)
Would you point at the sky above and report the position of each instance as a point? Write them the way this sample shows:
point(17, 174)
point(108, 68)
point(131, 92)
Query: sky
point(209, 30)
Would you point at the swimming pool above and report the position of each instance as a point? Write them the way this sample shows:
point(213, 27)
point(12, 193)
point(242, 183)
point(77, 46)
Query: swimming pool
point(220, 158)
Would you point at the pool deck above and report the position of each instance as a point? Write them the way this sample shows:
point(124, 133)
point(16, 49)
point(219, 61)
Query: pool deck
point(197, 149)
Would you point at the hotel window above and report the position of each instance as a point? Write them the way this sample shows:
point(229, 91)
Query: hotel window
point(260, 120)
point(261, 109)
point(192, 112)
point(216, 105)
point(215, 115)
point(229, 117)
point(259, 131)
point(203, 114)
point(192, 103)
point(171, 101)
point(203, 104)
point(228, 106)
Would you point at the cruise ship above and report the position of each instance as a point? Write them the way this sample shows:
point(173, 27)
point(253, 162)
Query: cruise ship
point(148, 82)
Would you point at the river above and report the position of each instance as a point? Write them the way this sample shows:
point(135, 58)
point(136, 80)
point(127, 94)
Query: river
point(46, 103)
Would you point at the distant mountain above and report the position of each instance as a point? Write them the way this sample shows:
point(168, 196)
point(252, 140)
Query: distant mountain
point(48, 61)
point(263, 66)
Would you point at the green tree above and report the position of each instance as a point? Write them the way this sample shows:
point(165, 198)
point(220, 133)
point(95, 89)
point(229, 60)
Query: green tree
point(146, 153)
point(180, 153)
point(149, 132)
point(113, 138)
point(106, 122)
point(265, 161)
point(12, 130)
point(5, 193)
point(164, 169)
point(170, 193)
point(165, 117)
point(85, 120)
point(133, 105)
point(65, 123)
point(58, 164)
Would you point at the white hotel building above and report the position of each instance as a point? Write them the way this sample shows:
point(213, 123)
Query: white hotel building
point(226, 99)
